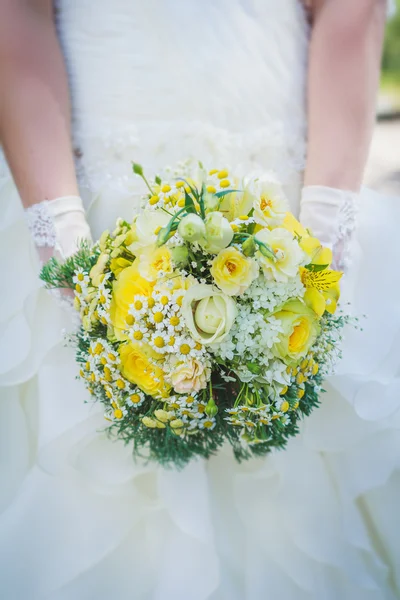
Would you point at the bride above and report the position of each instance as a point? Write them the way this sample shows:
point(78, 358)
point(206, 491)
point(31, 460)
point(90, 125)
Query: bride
point(225, 82)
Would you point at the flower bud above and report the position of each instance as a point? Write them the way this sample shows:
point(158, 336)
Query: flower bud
point(211, 408)
point(219, 233)
point(137, 169)
point(177, 426)
point(162, 415)
point(149, 422)
point(192, 228)
point(249, 246)
point(163, 236)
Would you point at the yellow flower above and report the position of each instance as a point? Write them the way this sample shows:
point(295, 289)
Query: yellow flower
point(322, 289)
point(233, 272)
point(125, 287)
point(119, 264)
point(138, 365)
point(154, 260)
point(300, 330)
point(318, 254)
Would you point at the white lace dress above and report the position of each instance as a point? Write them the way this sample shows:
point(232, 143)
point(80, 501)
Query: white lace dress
point(156, 82)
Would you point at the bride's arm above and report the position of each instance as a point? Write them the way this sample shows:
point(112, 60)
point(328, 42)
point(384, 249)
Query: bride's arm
point(34, 102)
point(35, 121)
point(344, 61)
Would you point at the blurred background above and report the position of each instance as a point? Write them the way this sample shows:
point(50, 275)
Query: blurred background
point(383, 168)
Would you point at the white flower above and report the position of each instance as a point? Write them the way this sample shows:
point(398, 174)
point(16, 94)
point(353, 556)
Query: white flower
point(288, 254)
point(145, 227)
point(192, 228)
point(270, 203)
point(208, 423)
point(209, 313)
point(219, 233)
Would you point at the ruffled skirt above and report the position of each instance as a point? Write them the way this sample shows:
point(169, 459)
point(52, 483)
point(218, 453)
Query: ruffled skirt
point(81, 520)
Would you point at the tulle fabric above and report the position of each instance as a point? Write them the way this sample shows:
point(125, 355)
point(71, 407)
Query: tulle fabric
point(79, 518)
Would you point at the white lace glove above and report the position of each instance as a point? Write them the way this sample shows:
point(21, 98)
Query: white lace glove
point(330, 214)
point(58, 226)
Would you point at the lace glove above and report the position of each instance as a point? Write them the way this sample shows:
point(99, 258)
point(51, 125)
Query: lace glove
point(330, 214)
point(57, 226)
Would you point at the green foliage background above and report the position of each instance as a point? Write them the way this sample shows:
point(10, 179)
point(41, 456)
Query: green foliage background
point(391, 51)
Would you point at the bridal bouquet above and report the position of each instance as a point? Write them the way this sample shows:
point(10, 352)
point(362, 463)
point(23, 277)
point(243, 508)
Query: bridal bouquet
point(210, 317)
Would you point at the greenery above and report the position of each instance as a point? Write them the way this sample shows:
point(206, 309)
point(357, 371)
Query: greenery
point(391, 52)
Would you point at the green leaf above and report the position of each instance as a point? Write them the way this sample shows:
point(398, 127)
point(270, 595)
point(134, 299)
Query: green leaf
point(137, 169)
point(254, 368)
point(189, 204)
point(157, 179)
point(193, 190)
point(201, 200)
point(315, 268)
point(223, 193)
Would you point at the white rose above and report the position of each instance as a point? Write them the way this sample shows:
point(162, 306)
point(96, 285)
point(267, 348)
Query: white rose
point(189, 375)
point(144, 229)
point(209, 313)
point(219, 233)
point(288, 254)
point(192, 228)
point(270, 203)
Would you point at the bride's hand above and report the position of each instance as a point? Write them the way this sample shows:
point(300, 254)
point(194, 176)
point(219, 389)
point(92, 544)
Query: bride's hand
point(58, 227)
point(331, 216)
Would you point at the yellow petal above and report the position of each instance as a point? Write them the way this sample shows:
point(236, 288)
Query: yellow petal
point(294, 226)
point(315, 300)
point(310, 245)
point(320, 280)
point(323, 256)
point(332, 296)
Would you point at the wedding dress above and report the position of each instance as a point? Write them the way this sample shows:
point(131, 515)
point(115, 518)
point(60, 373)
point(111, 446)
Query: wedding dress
point(222, 81)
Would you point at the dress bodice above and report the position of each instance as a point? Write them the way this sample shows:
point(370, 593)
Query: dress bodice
point(156, 82)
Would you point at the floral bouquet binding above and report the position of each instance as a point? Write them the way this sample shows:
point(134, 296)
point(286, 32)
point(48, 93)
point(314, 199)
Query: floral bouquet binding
point(209, 318)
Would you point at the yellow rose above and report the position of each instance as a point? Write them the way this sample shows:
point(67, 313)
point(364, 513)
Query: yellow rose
point(209, 314)
point(125, 287)
point(154, 260)
point(138, 366)
point(233, 272)
point(300, 330)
